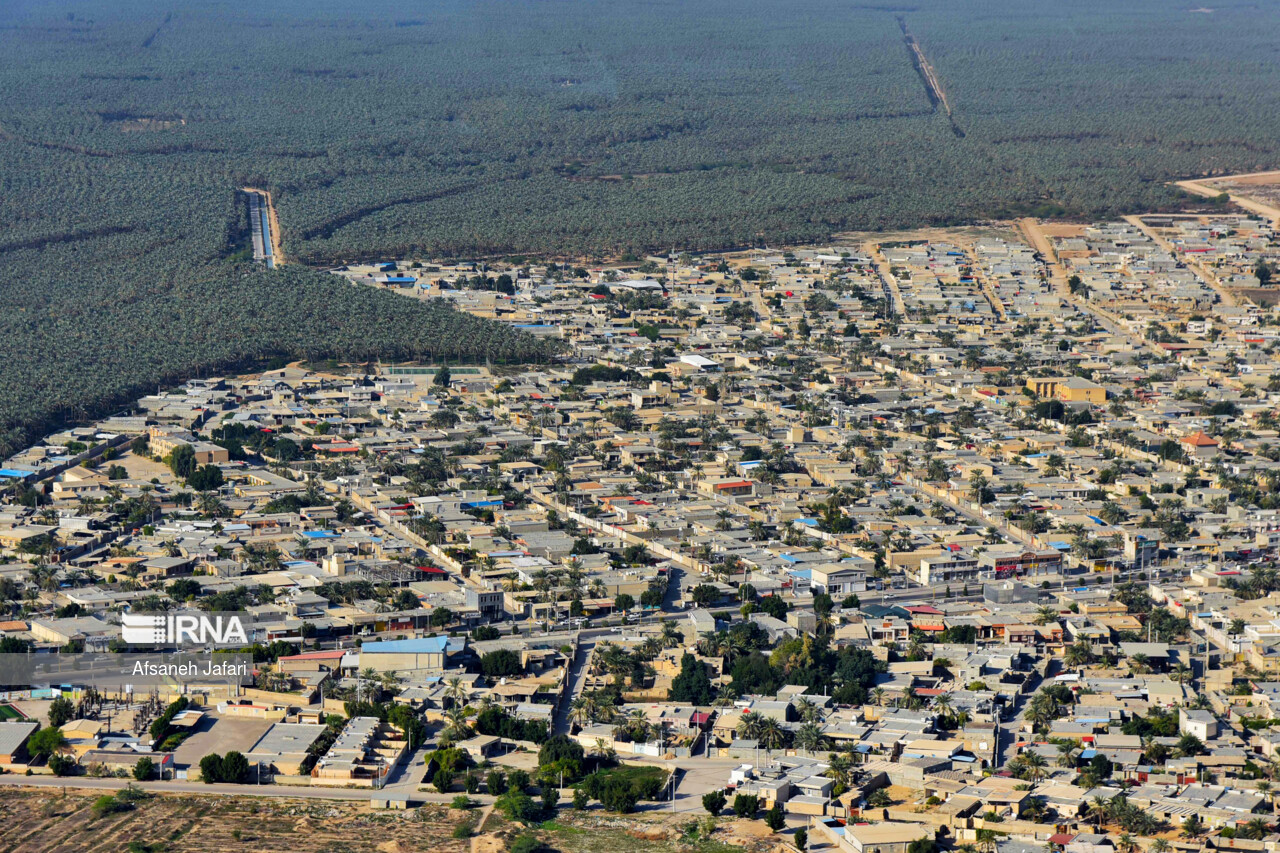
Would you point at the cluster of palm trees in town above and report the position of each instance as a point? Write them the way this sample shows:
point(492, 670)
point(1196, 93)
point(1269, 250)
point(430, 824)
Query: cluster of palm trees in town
point(458, 715)
point(557, 584)
point(601, 706)
point(771, 734)
point(1031, 766)
point(729, 646)
point(1119, 811)
point(594, 706)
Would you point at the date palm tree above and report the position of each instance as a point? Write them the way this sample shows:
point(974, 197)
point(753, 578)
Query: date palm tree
point(1068, 753)
point(1045, 615)
point(1036, 765)
point(1078, 654)
point(808, 711)
point(809, 737)
point(671, 635)
point(750, 726)
point(771, 734)
point(606, 753)
point(456, 691)
point(942, 705)
point(458, 727)
point(1099, 810)
point(580, 710)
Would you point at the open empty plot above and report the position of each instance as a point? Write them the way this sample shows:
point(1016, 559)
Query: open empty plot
point(47, 822)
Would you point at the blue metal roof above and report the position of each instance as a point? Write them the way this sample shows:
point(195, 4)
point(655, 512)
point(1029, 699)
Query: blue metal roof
point(419, 646)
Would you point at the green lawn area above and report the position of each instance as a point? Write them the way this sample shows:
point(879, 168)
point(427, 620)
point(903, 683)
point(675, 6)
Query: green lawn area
point(8, 712)
point(640, 776)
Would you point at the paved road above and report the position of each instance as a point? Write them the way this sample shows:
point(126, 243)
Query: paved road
point(180, 787)
point(577, 676)
point(410, 773)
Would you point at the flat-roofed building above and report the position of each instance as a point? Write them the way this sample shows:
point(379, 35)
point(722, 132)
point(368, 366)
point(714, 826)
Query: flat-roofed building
point(283, 747)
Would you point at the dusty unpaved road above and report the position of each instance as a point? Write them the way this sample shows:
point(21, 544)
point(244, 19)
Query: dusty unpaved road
point(1202, 187)
point(1204, 272)
point(1058, 278)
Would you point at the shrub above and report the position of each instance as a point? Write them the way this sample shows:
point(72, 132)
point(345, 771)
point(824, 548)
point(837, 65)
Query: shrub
point(132, 794)
point(462, 802)
point(235, 768)
point(617, 795)
point(746, 805)
point(211, 768)
point(160, 728)
point(500, 663)
point(107, 804)
point(517, 805)
point(580, 799)
point(561, 754)
point(713, 802)
point(61, 711)
point(143, 769)
point(46, 742)
point(801, 838)
point(518, 781)
point(496, 783)
point(774, 818)
point(527, 844)
point(550, 796)
point(485, 632)
point(62, 765)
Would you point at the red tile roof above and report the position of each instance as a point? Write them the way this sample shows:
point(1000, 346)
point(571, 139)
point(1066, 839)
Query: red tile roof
point(1199, 439)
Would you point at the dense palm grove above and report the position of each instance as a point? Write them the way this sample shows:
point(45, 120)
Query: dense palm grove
point(543, 128)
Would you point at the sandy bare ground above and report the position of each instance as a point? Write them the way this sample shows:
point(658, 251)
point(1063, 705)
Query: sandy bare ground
point(1206, 187)
point(143, 468)
point(1063, 229)
point(968, 233)
point(1039, 240)
point(48, 822)
point(1252, 178)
